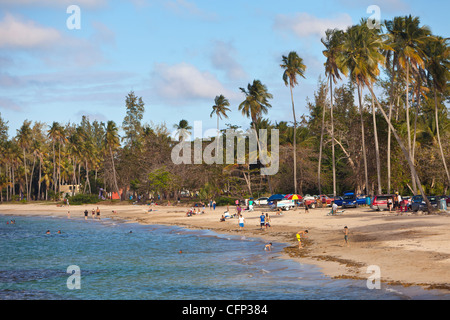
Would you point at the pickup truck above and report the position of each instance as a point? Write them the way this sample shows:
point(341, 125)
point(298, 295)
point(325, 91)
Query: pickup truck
point(351, 200)
point(284, 205)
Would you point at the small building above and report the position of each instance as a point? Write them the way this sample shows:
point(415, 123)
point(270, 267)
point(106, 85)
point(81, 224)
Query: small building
point(69, 189)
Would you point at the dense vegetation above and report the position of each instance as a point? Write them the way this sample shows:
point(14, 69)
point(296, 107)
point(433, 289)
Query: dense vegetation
point(394, 139)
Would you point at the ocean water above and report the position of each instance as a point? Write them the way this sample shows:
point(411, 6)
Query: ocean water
point(129, 261)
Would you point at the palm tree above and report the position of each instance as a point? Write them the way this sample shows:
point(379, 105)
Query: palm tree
point(410, 39)
point(256, 103)
point(438, 67)
point(293, 66)
point(24, 135)
point(183, 128)
point(57, 135)
point(220, 108)
point(361, 56)
point(112, 143)
point(333, 44)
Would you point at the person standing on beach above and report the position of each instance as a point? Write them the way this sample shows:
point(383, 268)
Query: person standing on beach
point(346, 235)
point(262, 221)
point(86, 214)
point(241, 222)
point(267, 221)
point(299, 237)
point(214, 204)
point(98, 213)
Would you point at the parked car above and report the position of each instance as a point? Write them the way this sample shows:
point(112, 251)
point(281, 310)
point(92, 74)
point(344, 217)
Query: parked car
point(418, 204)
point(338, 201)
point(351, 200)
point(262, 201)
point(309, 201)
point(326, 200)
point(380, 202)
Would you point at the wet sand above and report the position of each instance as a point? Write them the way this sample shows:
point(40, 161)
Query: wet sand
point(409, 249)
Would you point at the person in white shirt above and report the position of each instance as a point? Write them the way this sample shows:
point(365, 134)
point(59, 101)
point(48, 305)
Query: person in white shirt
point(241, 222)
point(334, 208)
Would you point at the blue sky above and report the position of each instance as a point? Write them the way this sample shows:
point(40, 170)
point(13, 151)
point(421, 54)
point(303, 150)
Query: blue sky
point(177, 54)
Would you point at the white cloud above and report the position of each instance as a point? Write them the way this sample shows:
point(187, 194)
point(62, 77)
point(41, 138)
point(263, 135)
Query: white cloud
point(17, 33)
point(304, 25)
point(223, 58)
point(182, 82)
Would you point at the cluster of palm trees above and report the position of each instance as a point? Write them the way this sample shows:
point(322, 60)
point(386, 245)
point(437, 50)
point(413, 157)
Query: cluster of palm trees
point(46, 158)
point(409, 53)
point(401, 64)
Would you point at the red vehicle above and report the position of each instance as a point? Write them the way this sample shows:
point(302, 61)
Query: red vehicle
point(326, 200)
point(309, 201)
point(380, 201)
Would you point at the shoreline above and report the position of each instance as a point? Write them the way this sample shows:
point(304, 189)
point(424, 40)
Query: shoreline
point(409, 249)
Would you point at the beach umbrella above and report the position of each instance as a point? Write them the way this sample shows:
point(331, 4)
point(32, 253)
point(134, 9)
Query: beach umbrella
point(293, 197)
point(276, 197)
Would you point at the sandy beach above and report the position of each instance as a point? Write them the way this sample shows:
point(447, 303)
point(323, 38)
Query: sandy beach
point(409, 249)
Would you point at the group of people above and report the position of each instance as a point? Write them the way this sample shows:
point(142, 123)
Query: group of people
point(397, 203)
point(95, 212)
point(193, 211)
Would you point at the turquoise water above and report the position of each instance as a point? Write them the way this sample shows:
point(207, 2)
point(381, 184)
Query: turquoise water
point(146, 264)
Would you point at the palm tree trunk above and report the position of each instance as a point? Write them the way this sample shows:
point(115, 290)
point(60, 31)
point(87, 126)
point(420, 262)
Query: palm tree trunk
point(54, 167)
point(40, 177)
point(319, 167)
point(363, 140)
point(389, 152)
point(405, 153)
point(114, 171)
point(377, 149)
point(408, 125)
point(295, 143)
point(439, 136)
point(26, 176)
point(332, 138)
point(32, 173)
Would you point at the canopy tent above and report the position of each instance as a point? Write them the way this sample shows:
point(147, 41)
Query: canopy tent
point(276, 197)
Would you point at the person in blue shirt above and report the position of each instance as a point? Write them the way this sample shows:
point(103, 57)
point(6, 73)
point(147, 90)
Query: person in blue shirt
point(262, 218)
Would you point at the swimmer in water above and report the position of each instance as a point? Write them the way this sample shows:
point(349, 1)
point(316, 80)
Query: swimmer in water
point(48, 232)
point(268, 247)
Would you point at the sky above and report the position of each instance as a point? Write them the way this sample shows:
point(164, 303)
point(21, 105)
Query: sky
point(57, 64)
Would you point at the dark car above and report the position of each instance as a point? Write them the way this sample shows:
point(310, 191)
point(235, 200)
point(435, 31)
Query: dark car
point(418, 204)
point(338, 201)
point(351, 200)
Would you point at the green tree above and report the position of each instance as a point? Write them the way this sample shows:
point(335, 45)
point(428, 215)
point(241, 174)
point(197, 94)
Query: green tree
point(132, 122)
